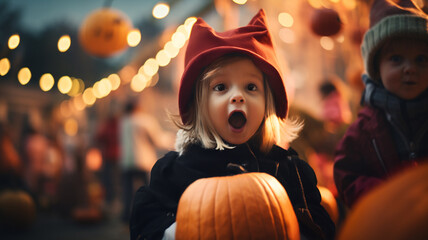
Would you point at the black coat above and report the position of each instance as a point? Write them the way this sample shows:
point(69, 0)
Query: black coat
point(155, 206)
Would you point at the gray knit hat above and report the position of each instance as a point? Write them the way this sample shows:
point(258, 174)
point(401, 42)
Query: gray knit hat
point(389, 19)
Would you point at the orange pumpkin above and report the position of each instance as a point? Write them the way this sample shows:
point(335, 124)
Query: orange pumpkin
point(104, 32)
point(17, 209)
point(396, 210)
point(244, 206)
point(328, 201)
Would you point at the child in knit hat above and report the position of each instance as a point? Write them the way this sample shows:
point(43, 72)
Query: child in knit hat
point(232, 104)
point(391, 131)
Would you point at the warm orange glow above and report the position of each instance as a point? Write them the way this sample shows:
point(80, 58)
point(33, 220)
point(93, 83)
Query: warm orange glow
point(285, 19)
point(24, 75)
point(4, 66)
point(134, 38)
point(178, 39)
point(104, 88)
point(64, 43)
point(163, 58)
point(327, 43)
point(46, 82)
point(94, 159)
point(315, 3)
point(171, 49)
point(78, 102)
point(151, 67)
point(77, 87)
point(13, 41)
point(240, 2)
point(188, 24)
point(89, 97)
point(71, 127)
point(114, 81)
point(64, 84)
point(139, 82)
point(160, 10)
point(350, 4)
point(95, 90)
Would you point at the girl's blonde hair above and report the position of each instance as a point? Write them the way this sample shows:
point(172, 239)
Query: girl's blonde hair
point(200, 130)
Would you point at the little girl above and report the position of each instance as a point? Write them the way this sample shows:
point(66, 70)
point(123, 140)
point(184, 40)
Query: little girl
point(232, 104)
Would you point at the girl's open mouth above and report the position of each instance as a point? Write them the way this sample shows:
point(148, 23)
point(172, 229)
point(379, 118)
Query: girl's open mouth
point(237, 119)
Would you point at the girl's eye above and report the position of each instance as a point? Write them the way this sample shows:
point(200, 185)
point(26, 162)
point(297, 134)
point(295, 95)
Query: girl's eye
point(219, 87)
point(252, 87)
point(422, 59)
point(396, 58)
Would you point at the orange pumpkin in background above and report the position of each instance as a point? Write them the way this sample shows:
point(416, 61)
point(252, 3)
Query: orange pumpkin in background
point(17, 209)
point(396, 210)
point(328, 201)
point(104, 32)
point(244, 206)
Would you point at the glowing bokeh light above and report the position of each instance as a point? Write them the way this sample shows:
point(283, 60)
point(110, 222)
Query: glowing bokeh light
point(64, 84)
point(104, 87)
point(134, 38)
point(64, 43)
point(240, 2)
point(138, 82)
point(163, 58)
point(178, 39)
point(77, 87)
point(160, 10)
point(114, 81)
point(94, 159)
point(71, 127)
point(327, 43)
point(171, 49)
point(24, 75)
point(89, 97)
point(188, 24)
point(13, 41)
point(4, 66)
point(78, 102)
point(285, 19)
point(151, 67)
point(46, 82)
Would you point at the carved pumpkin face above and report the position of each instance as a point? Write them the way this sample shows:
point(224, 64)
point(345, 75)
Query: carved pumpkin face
point(104, 32)
point(244, 206)
point(397, 209)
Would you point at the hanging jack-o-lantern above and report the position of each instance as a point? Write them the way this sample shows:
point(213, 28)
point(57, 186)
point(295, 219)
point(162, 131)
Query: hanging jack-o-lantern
point(244, 206)
point(104, 32)
point(325, 22)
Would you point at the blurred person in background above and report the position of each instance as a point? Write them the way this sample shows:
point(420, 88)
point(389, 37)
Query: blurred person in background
point(108, 141)
point(140, 136)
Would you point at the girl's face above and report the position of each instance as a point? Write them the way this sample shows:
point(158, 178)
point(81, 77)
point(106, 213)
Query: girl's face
point(404, 67)
point(236, 101)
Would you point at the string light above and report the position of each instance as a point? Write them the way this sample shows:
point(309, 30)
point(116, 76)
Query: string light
point(160, 10)
point(64, 43)
point(13, 41)
point(46, 82)
point(134, 38)
point(4, 66)
point(24, 75)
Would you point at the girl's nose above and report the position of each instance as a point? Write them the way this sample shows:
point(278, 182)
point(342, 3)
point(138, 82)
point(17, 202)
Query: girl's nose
point(237, 97)
point(409, 67)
